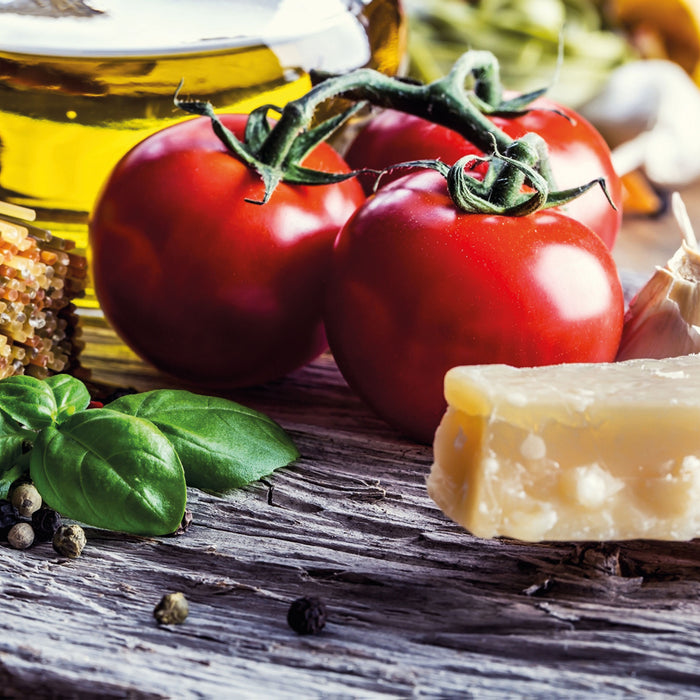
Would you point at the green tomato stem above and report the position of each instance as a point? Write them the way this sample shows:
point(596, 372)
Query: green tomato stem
point(501, 190)
point(445, 101)
point(460, 101)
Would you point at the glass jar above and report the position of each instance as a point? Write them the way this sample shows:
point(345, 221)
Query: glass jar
point(81, 82)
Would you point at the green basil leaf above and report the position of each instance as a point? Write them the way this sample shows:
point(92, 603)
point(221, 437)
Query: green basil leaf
point(222, 445)
point(28, 401)
point(70, 393)
point(9, 477)
point(12, 436)
point(112, 471)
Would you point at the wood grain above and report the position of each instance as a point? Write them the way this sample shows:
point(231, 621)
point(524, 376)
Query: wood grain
point(417, 606)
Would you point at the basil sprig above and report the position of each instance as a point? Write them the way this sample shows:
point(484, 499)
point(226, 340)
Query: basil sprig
point(222, 444)
point(127, 466)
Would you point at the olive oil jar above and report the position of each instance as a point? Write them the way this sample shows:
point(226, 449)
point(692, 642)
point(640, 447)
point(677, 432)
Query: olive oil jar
point(81, 82)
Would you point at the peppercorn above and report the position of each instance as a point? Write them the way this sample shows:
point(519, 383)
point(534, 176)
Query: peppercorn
point(69, 541)
point(26, 499)
point(307, 615)
point(45, 522)
point(21, 535)
point(118, 393)
point(172, 609)
point(184, 523)
point(8, 517)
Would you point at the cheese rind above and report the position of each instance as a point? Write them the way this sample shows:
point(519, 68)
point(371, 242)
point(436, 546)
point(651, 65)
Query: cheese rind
point(572, 452)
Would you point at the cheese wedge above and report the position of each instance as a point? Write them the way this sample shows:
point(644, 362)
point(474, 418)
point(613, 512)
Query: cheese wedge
point(572, 452)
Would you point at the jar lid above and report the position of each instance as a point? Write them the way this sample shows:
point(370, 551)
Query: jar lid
point(156, 27)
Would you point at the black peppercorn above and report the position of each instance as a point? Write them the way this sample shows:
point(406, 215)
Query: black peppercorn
point(307, 615)
point(118, 393)
point(45, 522)
point(8, 517)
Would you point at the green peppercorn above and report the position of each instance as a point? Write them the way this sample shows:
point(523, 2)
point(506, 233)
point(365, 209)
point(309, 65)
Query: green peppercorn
point(26, 499)
point(21, 536)
point(172, 609)
point(307, 615)
point(69, 541)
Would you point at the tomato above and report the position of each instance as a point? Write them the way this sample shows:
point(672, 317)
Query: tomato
point(418, 287)
point(578, 154)
point(204, 285)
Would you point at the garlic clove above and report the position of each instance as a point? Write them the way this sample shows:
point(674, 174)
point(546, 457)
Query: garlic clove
point(663, 319)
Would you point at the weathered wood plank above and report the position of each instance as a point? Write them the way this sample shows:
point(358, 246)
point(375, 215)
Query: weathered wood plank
point(418, 608)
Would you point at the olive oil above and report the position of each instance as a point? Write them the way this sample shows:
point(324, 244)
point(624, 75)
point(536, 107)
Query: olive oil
point(81, 84)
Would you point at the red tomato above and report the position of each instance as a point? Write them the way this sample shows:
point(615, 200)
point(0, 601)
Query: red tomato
point(202, 284)
point(578, 154)
point(418, 287)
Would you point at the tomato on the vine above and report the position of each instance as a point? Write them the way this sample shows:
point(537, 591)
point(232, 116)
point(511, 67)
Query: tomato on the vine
point(201, 283)
point(577, 152)
point(418, 286)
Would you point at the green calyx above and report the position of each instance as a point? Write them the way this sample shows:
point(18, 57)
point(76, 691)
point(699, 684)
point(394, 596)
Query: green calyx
point(282, 164)
point(501, 190)
point(461, 101)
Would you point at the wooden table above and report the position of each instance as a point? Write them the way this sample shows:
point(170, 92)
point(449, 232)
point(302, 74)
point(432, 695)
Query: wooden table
point(417, 607)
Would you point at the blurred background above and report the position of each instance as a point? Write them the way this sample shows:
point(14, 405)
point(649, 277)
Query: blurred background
point(629, 66)
point(82, 81)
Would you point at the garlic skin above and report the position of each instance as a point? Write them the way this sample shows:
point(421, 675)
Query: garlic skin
point(663, 319)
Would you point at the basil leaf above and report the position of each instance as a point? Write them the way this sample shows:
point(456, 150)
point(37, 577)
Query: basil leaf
point(28, 401)
point(71, 394)
point(222, 445)
point(9, 477)
point(12, 436)
point(112, 471)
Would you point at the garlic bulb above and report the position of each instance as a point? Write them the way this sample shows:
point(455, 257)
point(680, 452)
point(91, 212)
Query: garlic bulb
point(663, 319)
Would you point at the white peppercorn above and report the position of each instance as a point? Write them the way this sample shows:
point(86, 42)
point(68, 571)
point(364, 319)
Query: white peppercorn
point(21, 536)
point(26, 499)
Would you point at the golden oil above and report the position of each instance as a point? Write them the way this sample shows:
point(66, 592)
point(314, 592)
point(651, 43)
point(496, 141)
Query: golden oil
point(82, 84)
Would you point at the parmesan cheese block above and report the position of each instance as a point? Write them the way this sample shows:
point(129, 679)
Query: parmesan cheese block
point(572, 452)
